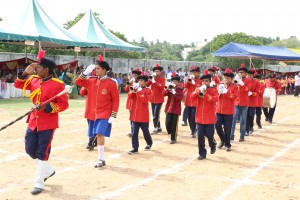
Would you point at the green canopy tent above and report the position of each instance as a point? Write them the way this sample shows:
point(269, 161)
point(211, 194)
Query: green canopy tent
point(35, 28)
point(89, 28)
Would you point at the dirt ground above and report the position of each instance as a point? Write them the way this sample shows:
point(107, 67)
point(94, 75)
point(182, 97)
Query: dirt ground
point(265, 166)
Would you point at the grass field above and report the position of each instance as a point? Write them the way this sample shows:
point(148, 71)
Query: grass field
point(265, 166)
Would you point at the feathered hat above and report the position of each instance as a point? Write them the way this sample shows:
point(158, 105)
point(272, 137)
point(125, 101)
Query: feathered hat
point(143, 76)
point(137, 71)
point(157, 67)
point(205, 75)
point(45, 62)
point(194, 69)
point(102, 63)
point(175, 76)
point(251, 71)
point(243, 68)
point(228, 73)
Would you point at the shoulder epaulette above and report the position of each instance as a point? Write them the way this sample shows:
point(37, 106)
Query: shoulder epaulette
point(57, 80)
point(35, 76)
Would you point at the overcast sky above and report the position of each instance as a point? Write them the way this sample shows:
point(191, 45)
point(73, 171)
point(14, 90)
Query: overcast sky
point(177, 21)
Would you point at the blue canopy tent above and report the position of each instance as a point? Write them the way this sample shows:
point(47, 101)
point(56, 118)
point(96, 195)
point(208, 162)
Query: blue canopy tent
point(246, 51)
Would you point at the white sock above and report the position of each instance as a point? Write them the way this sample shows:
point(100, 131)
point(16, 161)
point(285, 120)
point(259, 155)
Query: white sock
point(100, 152)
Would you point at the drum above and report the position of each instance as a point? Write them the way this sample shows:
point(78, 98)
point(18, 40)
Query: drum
point(269, 98)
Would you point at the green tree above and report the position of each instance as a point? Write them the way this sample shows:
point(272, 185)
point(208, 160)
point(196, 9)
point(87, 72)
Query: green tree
point(291, 42)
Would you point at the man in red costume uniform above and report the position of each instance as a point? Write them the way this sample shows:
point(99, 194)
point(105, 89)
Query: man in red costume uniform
point(206, 98)
point(42, 122)
point(173, 106)
point(157, 83)
point(105, 96)
point(139, 114)
point(132, 84)
point(259, 104)
point(241, 104)
point(271, 82)
point(253, 94)
point(228, 92)
point(190, 103)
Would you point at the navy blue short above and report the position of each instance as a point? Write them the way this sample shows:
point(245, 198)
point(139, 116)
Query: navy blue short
point(100, 126)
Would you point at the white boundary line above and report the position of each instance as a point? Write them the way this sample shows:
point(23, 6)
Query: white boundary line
point(255, 171)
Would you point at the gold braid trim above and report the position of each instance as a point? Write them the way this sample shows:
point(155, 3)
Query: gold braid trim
point(57, 80)
point(55, 108)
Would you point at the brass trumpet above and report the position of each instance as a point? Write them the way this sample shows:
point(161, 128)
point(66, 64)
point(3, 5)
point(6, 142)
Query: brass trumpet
point(170, 87)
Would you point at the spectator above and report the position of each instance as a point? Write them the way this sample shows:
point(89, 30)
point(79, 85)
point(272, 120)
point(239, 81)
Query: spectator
point(4, 89)
point(297, 84)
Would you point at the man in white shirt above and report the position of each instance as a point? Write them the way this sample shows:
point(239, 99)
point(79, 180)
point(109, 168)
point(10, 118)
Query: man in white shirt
point(297, 84)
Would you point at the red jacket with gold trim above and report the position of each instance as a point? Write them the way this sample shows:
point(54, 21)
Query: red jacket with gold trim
point(140, 109)
point(206, 106)
point(174, 101)
point(104, 96)
point(157, 89)
point(190, 88)
point(225, 103)
point(40, 91)
point(254, 88)
point(260, 95)
point(243, 99)
point(128, 101)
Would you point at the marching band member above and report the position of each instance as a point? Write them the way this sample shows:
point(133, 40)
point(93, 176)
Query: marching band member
point(105, 103)
point(193, 82)
point(215, 80)
point(157, 83)
point(133, 82)
point(43, 121)
point(173, 106)
point(259, 104)
point(253, 94)
point(241, 103)
point(228, 92)
point(206, 98)
point(139, 114)
point(271, 82)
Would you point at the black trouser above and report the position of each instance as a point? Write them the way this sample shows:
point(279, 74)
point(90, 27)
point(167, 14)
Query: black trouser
point(224, 134)
point(185, 115)
point(208, 131)
point(135, 134)
point(258, 115)
point(297, 90)
point(172, 125)
point(191, 118)
point(156, 112)
point(269, 113)
point(250, 118)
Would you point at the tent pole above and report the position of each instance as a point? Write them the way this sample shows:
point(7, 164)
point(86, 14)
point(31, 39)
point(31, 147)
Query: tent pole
point(104, 53)
point(26, 60)
point(263, 67)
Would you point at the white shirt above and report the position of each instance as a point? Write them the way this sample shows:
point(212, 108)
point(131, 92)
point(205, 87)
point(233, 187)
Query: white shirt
point(169, 75)
point(297, 80)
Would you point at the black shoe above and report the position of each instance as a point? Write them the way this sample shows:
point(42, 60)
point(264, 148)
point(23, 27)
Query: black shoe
point(90, 148)
point(147, 148)
point(231, 137)
point(201, 157)
point(259, 126)
point(251, 131)
point(133, 151)
point(270, 122)
point(36, 190)
point(159, 130)
point(241, 140)
point(154, 132)
point(129, 134)
point(228, 149)
point(183, 123)
point(212, 150)
point(246, 134)
point(49, 176)
point(266, 119)
point(194, 136)
point(237, 121)
point(220, 145)
point(173, 141)
point(100, 163)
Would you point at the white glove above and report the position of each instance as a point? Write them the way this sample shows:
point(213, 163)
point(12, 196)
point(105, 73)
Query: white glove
point(89, 69)
point(202, 88)
point(237, 78)
point(153, 80)
point(110, 120)
point(139, 89)
point(132, 80)
point(212, 84)
point(224, 91)
point(135, 85)
point(193, 82)
point(240, 82)
point(192, 76)
point(249, 93)
point(173, 91)
point(153, 74)
point(221, 86)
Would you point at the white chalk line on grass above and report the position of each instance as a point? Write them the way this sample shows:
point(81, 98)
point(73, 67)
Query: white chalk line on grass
point(145, 181)
point(255, 171)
